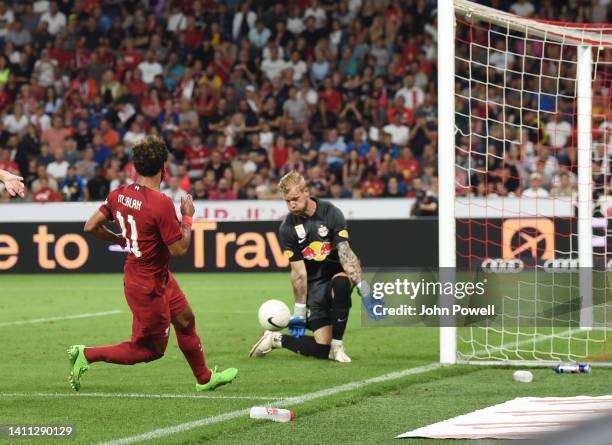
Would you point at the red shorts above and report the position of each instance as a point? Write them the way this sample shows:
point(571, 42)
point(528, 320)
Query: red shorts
point(153, 303)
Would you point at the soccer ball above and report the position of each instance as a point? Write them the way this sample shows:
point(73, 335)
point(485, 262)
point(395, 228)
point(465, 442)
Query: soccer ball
point(274, 315)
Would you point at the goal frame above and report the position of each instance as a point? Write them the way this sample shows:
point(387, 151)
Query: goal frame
point(582, 36)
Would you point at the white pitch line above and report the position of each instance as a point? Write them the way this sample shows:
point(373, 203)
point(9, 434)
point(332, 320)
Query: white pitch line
point(163, 432)
point(133, 396)
point(66, 317)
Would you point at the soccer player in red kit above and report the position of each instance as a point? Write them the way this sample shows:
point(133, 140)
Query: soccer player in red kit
point(151, 233)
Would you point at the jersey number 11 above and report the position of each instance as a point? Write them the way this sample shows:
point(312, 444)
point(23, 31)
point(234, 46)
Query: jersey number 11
point(133, 237)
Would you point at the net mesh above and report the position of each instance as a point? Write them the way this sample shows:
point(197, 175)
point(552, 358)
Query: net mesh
point(516, 102)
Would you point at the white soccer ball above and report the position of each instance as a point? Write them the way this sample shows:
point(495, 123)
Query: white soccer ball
point(274, 315)
point(523, 376)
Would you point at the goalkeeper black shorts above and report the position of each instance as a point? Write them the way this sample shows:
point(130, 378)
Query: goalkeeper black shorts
point(319, 302)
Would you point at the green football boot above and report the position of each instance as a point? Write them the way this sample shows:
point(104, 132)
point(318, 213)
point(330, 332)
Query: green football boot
point(78, 365)
point(218, 379)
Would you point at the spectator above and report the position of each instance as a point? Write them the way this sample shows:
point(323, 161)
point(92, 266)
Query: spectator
point(71, 154)
point(295, 22)
point(523, 8)
point(16, 122)
point(174, 192)
point(320, 68)
point(121, 180)
point(199, 191)
point(177, 20)
point(44, 70)
point(7, 17)
point(101, 151)
point(399, 132)
point(334, 148)
point(54, 18)
point(536, 191)
point(243, 21)
point(223, 192)
point(392, 189)
point(412, 94)
point(259, 34)
point(73, 186)
point(53, 102)
point(135, 135)
point(58, 169)
point(558, 131)
point(279, 155)
point(274, 66)
point(86, 167)
point(382, 57)
point(45, 157)
point(56, 135)
point(18, 35)
point(98, 187)
point(408, 165)
point(44, 192)
point(7, 164)
point(298, 66)
point(150, 68)
point(426, 203)
point(373, 186)
point(317, 12)
point(295, 107)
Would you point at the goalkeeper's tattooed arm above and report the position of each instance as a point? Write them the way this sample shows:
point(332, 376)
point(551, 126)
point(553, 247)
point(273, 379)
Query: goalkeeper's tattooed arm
point(350, 262)
point(299, 281)
point(352, 267)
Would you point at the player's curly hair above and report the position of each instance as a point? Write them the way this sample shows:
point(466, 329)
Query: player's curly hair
point(149, 156)
point(290, 180)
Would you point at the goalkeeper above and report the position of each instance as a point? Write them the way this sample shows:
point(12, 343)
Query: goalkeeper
point(324, 270)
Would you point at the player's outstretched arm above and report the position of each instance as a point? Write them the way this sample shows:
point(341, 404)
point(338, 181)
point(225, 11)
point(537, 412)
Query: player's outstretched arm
point(352, 267)
point(95, 227)
point(180, 247)
point(299, 282)
point(13, 183)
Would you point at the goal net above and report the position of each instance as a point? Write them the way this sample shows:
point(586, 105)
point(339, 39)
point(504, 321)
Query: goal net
point(532, 139)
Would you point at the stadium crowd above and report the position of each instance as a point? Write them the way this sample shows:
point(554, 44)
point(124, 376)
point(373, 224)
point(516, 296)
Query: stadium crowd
point(341, 91)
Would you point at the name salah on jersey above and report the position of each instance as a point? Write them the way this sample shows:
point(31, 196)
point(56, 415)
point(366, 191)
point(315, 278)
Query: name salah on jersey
point(129, 202)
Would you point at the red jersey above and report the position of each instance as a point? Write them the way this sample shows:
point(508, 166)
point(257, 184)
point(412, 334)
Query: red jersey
point(46, 194)
point(149, 224)
point(10, 166)
point(197, 157)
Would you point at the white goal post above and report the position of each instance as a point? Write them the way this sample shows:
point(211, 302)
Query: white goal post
point(492, 76)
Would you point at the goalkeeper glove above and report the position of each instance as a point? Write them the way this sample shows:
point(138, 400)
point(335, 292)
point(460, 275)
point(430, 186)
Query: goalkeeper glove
point(369, 302)
point(297, 323)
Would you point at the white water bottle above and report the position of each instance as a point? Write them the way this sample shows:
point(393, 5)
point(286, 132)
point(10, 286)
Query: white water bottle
point(274, 414)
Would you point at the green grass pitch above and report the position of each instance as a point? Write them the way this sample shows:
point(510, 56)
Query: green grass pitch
point(34, 387)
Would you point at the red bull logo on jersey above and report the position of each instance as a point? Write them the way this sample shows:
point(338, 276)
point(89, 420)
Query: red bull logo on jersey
point(317, 251)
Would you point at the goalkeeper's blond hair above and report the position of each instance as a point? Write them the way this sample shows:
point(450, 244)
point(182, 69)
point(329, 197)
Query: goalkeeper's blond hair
point(291, 180)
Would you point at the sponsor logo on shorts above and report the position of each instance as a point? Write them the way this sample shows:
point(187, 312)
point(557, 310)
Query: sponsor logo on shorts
point(343, 233)
point(288, 253)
